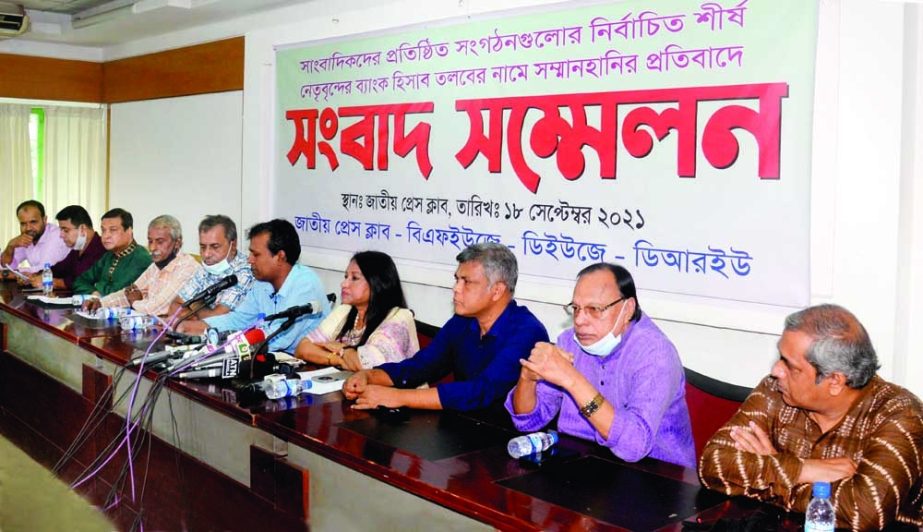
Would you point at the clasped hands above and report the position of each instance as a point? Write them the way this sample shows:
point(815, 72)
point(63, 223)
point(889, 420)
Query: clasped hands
point(549, 363)
point(133, 293)
point(342, 356)
point(753, 439)
point(369, 396)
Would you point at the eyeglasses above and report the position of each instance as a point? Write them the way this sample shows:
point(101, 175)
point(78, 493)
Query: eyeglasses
point(592, 311)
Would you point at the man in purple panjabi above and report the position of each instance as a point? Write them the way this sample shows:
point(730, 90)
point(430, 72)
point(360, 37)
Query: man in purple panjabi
point(614, 376)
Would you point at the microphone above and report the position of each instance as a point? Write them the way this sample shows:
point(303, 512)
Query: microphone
point(295, 312)
point(159, 356)
point(214, 337)
point(200, 374)
point(183, 339)
point(213, 290)
point(154, 358)
point(236, 351)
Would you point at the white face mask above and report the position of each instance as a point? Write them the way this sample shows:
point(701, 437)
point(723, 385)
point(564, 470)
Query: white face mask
point(221, 267)
point(605, 345)
point(81, 240)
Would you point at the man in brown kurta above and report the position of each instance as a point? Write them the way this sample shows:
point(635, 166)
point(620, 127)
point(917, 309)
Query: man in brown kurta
point(823, 415)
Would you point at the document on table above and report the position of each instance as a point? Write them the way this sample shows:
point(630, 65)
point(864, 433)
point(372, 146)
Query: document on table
point(17, 273)
point(325, 380)
point(54, 300)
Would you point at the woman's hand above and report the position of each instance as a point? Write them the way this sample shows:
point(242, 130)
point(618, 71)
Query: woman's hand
point(349, 359)
point(333, 347)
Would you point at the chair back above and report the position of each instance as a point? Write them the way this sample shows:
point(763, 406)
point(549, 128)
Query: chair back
point(425, 335)
point(711, 403)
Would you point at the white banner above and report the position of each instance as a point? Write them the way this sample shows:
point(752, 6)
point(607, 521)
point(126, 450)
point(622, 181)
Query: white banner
point(672, 137)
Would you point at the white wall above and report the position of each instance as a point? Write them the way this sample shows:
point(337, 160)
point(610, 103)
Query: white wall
point(866, 201)
point(178, 156)
point(908, 327)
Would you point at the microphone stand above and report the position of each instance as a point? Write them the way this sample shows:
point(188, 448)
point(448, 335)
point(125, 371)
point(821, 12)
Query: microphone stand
point(204, 302)
point(262, 345)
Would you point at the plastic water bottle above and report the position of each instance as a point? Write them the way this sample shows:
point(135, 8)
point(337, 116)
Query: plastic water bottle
point(47, 280)
point(531, 443)
point(285, 388)
point(820, 516)
point(111, 313)
point(136, 322)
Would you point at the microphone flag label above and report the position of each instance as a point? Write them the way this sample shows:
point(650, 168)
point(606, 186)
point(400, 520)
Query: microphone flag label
point(231, 366)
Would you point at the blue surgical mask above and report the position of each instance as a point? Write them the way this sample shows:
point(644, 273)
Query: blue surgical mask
point(605, 345)
point(221, 267)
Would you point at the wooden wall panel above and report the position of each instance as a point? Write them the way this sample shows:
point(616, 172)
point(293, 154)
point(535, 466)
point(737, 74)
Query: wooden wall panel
point(43, 78)
point(200, 69)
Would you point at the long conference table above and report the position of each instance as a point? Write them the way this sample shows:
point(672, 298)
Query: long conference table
point(312, 462)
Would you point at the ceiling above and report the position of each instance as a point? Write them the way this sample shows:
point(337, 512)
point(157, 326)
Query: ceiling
point(111, 22)
point(62, 6)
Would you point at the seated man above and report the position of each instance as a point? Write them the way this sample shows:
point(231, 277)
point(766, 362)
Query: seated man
point(123, 262)
point(85, 244)
point(614, 377)
point(155, 289)
point(39, 242)
point(281, 283)
point(220, 258)
point(481, 344)
point(824, 415)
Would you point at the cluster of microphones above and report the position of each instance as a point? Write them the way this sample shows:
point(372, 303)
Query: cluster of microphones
point(222, 354)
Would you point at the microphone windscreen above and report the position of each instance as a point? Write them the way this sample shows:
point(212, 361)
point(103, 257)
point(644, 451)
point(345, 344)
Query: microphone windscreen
point(255, 336)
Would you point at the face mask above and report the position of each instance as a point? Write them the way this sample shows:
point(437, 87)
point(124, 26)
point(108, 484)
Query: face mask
point(163, 264)
point(220, 267)
point(605, 345)
point(81, 241)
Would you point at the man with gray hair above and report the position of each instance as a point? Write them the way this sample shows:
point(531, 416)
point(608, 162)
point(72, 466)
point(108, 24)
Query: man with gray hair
point(481, 345)
point(220, 258)
point(155, 289)
point(823, 415)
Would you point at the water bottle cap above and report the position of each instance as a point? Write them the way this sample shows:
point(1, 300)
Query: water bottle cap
point(48, 265)
point(821, 490)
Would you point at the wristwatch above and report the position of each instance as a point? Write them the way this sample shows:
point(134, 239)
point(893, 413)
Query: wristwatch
point(590, 408)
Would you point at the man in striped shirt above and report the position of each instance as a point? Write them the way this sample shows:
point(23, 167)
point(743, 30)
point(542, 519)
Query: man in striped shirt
point(152, 292)
point(824, 415)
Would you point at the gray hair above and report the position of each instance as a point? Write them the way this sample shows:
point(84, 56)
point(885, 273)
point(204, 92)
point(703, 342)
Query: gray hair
point(171, 223)
point(213, 220)
point(498, 261)
point(841, 344)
